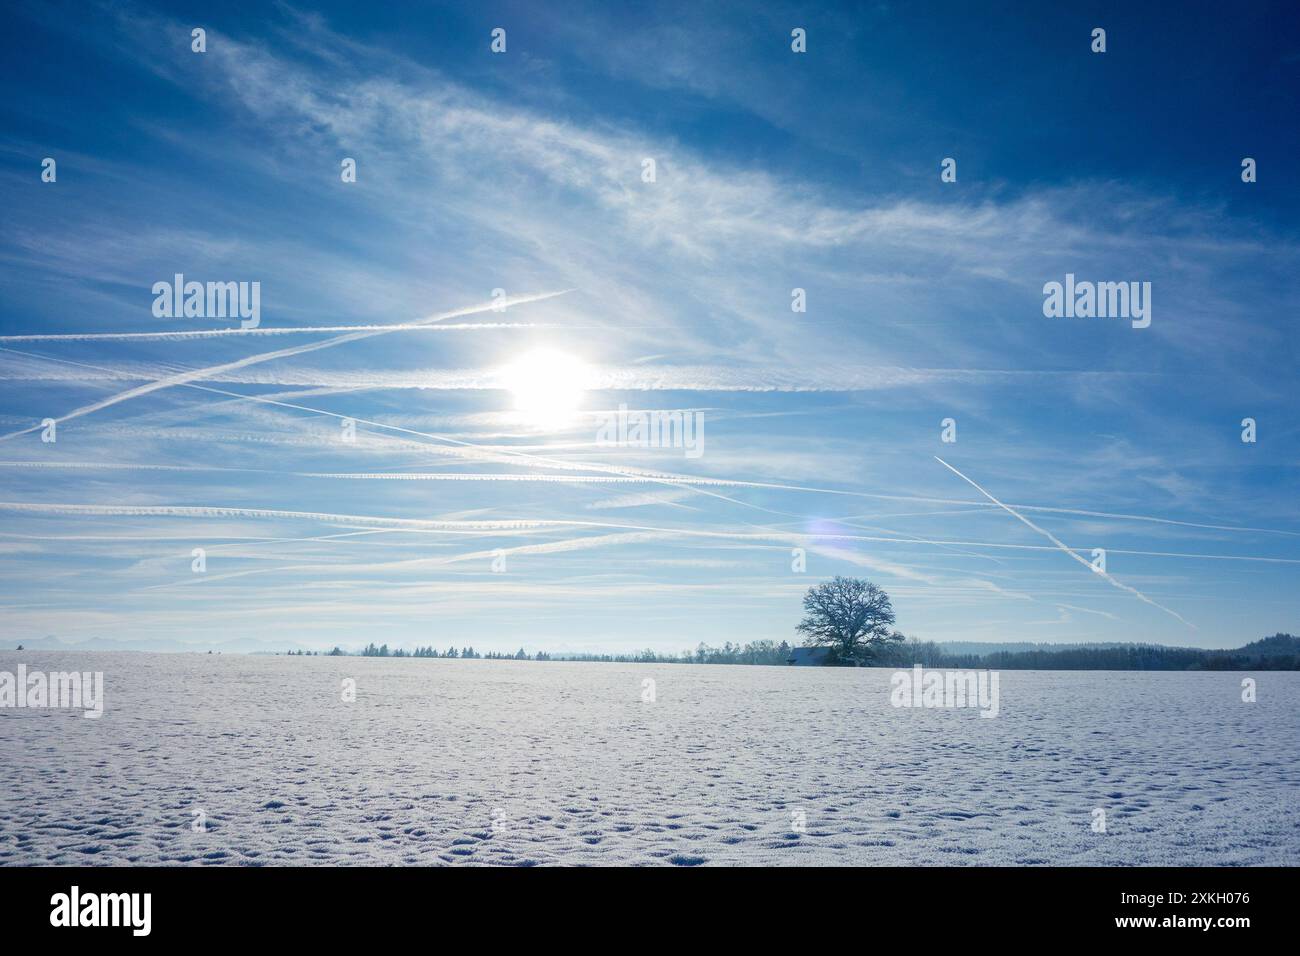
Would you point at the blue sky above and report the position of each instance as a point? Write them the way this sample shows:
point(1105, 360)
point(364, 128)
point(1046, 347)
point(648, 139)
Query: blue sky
point(522, 172)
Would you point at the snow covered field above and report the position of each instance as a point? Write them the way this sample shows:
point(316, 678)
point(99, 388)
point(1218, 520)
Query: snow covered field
point(518, 763)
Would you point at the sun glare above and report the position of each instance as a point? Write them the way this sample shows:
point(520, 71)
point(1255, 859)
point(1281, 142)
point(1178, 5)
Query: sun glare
point(547, 386)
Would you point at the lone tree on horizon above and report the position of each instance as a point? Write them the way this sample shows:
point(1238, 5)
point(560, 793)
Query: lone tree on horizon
point(850, 616)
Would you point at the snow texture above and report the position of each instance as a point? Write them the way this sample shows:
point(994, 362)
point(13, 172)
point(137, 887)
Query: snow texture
point(526, 763)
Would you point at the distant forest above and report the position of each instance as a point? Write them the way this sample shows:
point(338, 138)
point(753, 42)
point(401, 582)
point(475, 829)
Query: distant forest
point(1281, 652)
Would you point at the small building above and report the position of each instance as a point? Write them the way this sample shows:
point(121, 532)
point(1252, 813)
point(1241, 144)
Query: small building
point(808, 656)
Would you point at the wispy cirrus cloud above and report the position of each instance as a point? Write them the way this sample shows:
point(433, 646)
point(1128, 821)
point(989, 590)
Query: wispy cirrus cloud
point(922, 305)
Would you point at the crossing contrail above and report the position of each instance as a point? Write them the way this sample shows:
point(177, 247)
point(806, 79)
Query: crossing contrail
point(1062, 546)
point(193, 375)
point(633, 474)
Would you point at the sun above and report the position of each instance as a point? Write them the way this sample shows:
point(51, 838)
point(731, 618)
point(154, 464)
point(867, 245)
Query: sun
point(547, 385)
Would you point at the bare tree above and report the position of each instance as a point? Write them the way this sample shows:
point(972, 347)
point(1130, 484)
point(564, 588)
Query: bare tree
point(850, 616)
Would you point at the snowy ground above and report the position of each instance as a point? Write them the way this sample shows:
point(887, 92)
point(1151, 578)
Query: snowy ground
point(519, 763)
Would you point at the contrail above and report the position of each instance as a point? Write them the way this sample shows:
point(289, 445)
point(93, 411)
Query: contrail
point(125, 466)
point(412, 524)
point(636, 534)
point(511, 455)
point(184, 378)
point(632, 474)
point(898, 537)
point(174, 335)
point(1062, 546)
point(550, 547)
point(476, 528)
point(207, 511)
point(689, 482)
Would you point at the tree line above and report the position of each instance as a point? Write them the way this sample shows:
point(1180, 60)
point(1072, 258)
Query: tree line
point(466, 653)
point(1279, 652)
point(853, 621)
point(758, 652)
